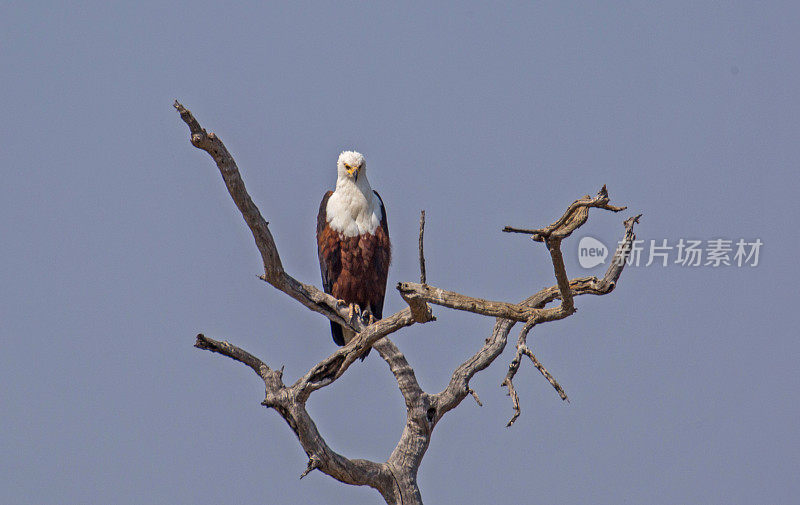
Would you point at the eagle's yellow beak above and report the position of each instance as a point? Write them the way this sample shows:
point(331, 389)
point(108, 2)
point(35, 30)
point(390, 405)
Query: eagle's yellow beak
point(352, 171)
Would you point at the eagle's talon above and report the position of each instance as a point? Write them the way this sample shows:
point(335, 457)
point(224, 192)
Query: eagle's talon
point(367, 317)
point(354, 310)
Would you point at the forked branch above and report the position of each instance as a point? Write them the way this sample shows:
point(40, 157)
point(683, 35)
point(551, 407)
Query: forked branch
point(574, 217)
point(566, 291)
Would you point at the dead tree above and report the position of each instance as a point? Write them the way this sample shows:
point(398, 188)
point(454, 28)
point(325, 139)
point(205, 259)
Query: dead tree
point(396, 478)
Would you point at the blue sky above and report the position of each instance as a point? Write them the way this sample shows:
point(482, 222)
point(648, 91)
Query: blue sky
point(120, 243)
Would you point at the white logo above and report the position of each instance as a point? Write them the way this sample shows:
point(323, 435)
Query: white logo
point(591, 252)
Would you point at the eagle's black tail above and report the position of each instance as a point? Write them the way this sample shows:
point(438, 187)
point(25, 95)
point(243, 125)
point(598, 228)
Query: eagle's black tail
point(336, 331)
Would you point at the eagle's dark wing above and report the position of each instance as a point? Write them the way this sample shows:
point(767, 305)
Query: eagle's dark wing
point(330, 265)
point(382, 258)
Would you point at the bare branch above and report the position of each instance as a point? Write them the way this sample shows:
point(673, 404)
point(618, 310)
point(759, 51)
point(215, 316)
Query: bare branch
point(233, 352)
point(566, 293)
point(287, 403)
point(313, 464)
point(513, 368)
point(331, 368)
point(422, 277)
point(621, 255)
point(212, 144)
point(308, 295)
point(358, 472)
point(573, 218)
point(402, 371)
point(567, 305)
point(547, 375)
point(420, 310)
point(466, 303)
point(475, 395)
point(458, 387)
point(508, 382)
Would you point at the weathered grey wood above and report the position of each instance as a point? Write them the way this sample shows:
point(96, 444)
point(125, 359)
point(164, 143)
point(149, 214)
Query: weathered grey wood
point(396, 478)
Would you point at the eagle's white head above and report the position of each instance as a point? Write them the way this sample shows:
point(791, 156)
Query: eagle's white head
point(353, 208)
point(351, 166)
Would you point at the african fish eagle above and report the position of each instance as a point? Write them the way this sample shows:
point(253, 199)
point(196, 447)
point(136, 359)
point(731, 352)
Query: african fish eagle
point(353, 242)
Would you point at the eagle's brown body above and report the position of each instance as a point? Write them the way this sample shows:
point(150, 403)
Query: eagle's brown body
point(354, 269)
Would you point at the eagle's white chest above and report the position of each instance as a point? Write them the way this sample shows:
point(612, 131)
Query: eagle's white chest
point(353, 210)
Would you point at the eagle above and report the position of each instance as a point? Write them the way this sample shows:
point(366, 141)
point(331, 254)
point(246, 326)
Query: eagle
point(353, 243)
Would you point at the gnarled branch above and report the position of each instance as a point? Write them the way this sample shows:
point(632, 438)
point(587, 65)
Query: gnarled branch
point(402, 371)
point(395, 478)
point(566, 291)
point(458, 386)
point(574, 217)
